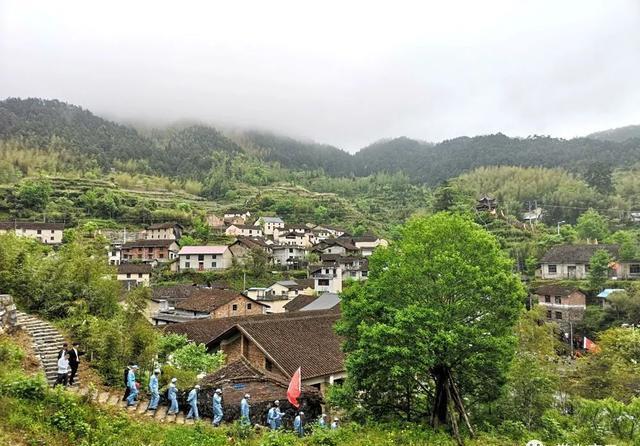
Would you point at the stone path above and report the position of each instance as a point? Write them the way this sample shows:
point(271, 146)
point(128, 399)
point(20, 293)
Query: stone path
point(47, 342)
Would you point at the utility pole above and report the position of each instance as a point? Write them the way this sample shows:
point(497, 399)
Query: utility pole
point(559, 223)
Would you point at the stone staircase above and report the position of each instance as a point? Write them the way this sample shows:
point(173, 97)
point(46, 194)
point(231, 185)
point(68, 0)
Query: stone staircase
point(47, 342)
point(139, 409)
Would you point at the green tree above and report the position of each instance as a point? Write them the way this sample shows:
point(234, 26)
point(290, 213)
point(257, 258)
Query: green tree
point(33, 194)
point(194, 357)
point(592, 226)
point(433, 325)
point(599, 269)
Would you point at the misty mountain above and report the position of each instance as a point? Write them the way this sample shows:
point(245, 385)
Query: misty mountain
point(189, 152)
point(619, 134)
point(295, 154)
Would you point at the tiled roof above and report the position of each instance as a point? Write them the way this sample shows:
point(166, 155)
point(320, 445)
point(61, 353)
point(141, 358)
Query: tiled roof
point(134, 268)
point(555, 290)
point(306, 283)
point(576, 253)
point(252, 242)
point(174, 291)
point(31, 225)
point(239, 226)
point(207, 300)
point(308, 341)
point(167, 225)
point(150, 243)
point(242, 371)
point(209, 249)
point(299, 302)
point(270, 219)
point(326, 301)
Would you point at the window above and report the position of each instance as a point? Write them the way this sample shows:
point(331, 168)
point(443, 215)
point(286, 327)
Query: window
point(39, 231)
point(201, 257)
point(187, 264)
point(234, 307)
point(249, 306)
point(547, 299)
point(187, 257)
point(558, 300)
point(139, 275)
point(128, 275)
point(52, 231)
point(161, 255)
point(553, 269)
point(290, 250)
point(52, 237)
point(558, 314)
point(323, 282)
point(549, 314)
point(268, 365)
point(635, 268)
point(365, 273)
point(213, 264)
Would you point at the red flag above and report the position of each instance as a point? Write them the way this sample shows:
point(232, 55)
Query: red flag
point(295, 388)
point(589, 345)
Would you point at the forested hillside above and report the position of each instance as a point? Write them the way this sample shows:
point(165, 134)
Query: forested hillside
point(192, 152)
point(618, 134)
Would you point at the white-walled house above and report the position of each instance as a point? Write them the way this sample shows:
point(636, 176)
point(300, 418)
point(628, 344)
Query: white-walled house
point(164, 231)
point(295, 238)
point(368, 243)
point(134, 274)
point(327, 279)
point(288, 255)
point(47, 233)
point(572, 262)
point(204, 258)
point(269, 224)
point(238, 230)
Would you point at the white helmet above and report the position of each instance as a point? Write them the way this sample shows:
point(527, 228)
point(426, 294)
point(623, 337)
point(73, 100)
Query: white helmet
point(247, 396)
point(218, 390)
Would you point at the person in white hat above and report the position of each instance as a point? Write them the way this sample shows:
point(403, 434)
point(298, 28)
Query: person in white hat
point(192, 399)
point(131, 383)
point(154, 390)
point(274, 416)
point(298, 424)
point(172, 395)
point(244, 410)
point(217, 407)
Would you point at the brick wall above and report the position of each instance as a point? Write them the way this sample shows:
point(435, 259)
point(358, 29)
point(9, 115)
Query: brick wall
point(241, 302)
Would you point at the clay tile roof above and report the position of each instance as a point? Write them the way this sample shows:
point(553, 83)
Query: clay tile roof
point(307, 341)
point(150, 243)
point(242, 370)
point(299, 302)
point(207, 300)
point(208, 249)
point(555, 290)
point(306, 283)
point(174, 291)
point(32, 225)
point(134, 268)
point(239, 226)
point(167, 225)
point(576, 253)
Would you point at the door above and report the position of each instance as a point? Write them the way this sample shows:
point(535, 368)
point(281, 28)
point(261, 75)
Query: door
point(571, 271)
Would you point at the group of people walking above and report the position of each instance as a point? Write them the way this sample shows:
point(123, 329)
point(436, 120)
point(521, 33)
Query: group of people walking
point(68, 363)
point(274, 415)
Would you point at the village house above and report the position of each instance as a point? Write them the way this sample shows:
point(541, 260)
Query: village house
point(340, 246)
point(134, 274)
point(293, 238)
point(114, 253)
point(244, 230)
point(269, 224)
point(290, 288)
point(162, 250)
point(354, 268)
point(47, 233)
point(256, 293)
point(368, 243)
point(487, 204)
point(164, 231)
point(286, 255)
point(572, 262)
point(204, 258)
point(243, 246)
point(212, 304)
point(562, 304)
point(236, 214)
point(277, 343)
point(605, 296)
point(331, 231)
point(327, 279)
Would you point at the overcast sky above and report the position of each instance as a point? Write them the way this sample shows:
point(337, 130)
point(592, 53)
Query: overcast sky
point(340, 72)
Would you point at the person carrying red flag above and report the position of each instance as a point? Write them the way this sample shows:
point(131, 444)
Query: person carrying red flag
point(295, 388)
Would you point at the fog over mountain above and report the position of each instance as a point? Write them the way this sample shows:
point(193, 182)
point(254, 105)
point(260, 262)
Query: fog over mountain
point(340, 73)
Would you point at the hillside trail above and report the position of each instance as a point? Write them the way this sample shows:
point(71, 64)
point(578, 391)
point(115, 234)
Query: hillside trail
point(47, 342)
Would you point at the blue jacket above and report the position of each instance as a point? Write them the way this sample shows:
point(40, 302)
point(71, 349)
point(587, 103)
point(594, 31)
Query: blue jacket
point(193, 397)
point(153, 384)
point(244, 408)
point(172, 392)
point(131, 380)
point(217, 404)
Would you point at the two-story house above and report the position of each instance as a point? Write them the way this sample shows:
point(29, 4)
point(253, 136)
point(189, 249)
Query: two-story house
point(269, 224)
point(164, 231)
point(47, 233)
point(288, 255)
point(134, 274)
point(562, 304)
point(237, 230)
point(158, 250)
point(204, 258)
point(327, 278)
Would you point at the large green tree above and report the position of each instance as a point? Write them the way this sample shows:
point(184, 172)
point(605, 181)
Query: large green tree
point(592, 226)
point(434, 324)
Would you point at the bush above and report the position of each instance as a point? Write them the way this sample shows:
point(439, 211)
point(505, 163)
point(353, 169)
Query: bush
point(278, 438)
point(10, 354)
point(26, 387)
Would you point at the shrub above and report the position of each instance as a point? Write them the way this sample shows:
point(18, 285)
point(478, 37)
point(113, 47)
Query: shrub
point(26, 387)
point(278, 438)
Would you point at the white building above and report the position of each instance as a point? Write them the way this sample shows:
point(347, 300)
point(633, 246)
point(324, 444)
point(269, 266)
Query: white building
point(327, 279)
point(47, 233)
point(244, 230)
point(134, 274)
point(288, 255)
point(204, 258)
point(269, 224)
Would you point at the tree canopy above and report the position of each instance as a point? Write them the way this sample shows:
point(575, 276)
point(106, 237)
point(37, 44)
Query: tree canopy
point(433, 325)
